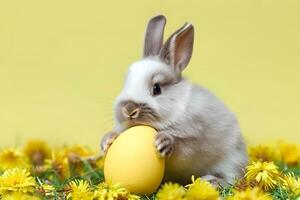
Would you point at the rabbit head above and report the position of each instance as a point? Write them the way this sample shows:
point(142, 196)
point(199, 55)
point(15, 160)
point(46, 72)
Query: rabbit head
point(154, 92)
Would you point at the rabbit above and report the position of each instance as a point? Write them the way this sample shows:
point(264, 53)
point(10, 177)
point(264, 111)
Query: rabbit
point(196, 133)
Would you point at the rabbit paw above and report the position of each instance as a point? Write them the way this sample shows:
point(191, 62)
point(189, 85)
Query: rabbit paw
point(164, 144)
point(107, 140)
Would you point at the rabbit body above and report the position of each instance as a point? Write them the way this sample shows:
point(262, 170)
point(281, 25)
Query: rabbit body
point(197, 133)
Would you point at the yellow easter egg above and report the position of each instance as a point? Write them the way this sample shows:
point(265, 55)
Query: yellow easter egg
point(132, 160)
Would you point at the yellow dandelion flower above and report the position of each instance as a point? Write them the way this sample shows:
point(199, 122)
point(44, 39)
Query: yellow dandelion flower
point(200, 189)
point(11, 158)
point(171, 191)
point(75, 155)
point(110, 191)
point(77, 151)
point(266, 174)
point(37, 151)
point(290, 153)
point(59, 163)
point(250, 194)
point(80, 190)
point(263, 153)
point(16, 179)
point(19, 196)
point(292, 183)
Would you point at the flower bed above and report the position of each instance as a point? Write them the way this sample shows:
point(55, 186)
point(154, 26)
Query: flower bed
point(38, 171)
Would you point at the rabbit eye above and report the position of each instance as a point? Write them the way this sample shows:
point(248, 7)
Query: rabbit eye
point(156, 89)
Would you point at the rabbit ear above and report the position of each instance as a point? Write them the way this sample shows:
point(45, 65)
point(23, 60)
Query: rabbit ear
point(154, 36)
point(178, 49)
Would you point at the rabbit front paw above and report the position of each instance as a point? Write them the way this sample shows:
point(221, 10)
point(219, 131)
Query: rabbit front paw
point(107, 140)
point(164, 144)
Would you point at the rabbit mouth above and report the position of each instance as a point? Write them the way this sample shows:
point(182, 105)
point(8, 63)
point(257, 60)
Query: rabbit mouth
point(146, 116)
point(132, 113)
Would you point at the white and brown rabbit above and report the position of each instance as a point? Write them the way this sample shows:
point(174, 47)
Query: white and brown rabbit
point(197, 133)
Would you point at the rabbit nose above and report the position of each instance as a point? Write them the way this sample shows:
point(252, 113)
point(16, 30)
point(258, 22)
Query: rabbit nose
point(131, 110)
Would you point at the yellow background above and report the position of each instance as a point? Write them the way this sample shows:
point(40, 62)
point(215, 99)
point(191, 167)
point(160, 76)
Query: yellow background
point(62, 63)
